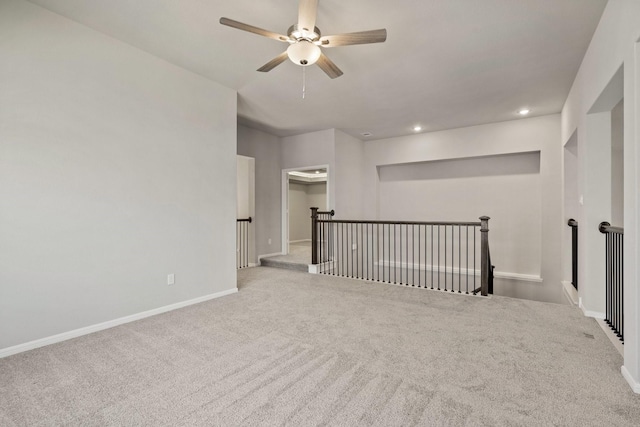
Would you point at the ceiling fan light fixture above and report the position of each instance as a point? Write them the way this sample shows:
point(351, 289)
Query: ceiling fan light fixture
point(303, 53)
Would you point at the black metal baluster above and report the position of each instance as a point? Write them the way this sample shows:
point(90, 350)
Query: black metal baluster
point(361, 249)
point(475, 231)
point(439, 252)
point(388, 258)
point(320, 226)
point(445, 258)
point(459, 259)
point(467, 263)
point(453, 260)
point(377, 257)
point(395, 256)
point(608, 281)
point(613, 281)
point(406, 229)
point(342, 243)
point(419, 260)
point(246, 245)
point(622, 287)
point(350, 251)
point(619, 281)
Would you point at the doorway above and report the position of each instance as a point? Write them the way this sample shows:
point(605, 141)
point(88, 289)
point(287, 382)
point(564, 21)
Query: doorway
point(245, 210)
point(303, 188)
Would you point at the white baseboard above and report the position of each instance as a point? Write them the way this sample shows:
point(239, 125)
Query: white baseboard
point(460, 271)
point(635, 385)
point(589, 313)
point(570, 292)
point(300, 241)
point(109, 324)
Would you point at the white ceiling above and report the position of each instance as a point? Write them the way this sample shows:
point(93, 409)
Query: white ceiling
point(445, 64)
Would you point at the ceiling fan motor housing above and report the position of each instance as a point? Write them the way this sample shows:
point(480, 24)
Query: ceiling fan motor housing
point(296, 33)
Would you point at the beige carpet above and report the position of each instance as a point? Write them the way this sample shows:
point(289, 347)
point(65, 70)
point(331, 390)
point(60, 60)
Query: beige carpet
point(297, 349)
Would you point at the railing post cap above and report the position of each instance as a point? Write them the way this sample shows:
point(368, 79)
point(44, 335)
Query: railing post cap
point(603, 227)
point(485, 218)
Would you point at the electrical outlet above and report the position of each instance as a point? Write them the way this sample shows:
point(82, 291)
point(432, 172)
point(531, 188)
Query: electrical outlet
point(171, 279)
point(269, 241)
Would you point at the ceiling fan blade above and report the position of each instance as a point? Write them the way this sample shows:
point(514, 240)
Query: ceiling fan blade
point(328, 66)
point(250, 28)
point(362, 37)
point(274, 62)
point(307, 14)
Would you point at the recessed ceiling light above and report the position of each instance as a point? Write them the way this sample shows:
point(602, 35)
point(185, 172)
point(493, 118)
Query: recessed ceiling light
point(365, 134)
point(524, 111)
point(417, 128)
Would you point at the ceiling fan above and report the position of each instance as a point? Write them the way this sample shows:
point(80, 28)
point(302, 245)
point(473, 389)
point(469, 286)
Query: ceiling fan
point(305, 40)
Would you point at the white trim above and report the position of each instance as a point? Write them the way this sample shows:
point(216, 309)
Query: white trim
point(253, 264)
point(570, 292)
point(299, 241)
point(635, 385)
point(517, 276)
point(109, 324)
point(589, 313)
point(462, 271)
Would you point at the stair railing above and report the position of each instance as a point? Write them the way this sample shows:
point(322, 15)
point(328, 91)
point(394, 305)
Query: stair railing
point(438, 255)
point(321, 236)
point(242, 242)
point(574, 252)
point(614, 276)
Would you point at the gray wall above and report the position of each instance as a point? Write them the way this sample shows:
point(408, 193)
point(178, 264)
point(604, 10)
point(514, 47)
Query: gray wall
point(116, 169)
point(317, 195)
point(541, 193)
point(617, 165)
point(299, 217)
point(614, 46)
point(311, 149)
point(349, 163)
point(302, 197)
point(506, 188)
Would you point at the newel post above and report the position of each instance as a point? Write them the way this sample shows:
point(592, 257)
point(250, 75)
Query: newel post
point(314, 235)
point(484, 255)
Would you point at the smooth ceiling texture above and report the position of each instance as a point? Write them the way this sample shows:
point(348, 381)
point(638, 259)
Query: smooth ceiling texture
point(445, 64)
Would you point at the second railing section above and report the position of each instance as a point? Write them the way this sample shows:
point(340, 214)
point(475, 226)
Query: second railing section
point(448, 256)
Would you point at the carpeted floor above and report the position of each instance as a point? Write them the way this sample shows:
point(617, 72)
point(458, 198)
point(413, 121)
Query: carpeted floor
point(298, 349)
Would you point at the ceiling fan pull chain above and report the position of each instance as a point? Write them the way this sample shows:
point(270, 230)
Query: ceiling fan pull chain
point(304, 82)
